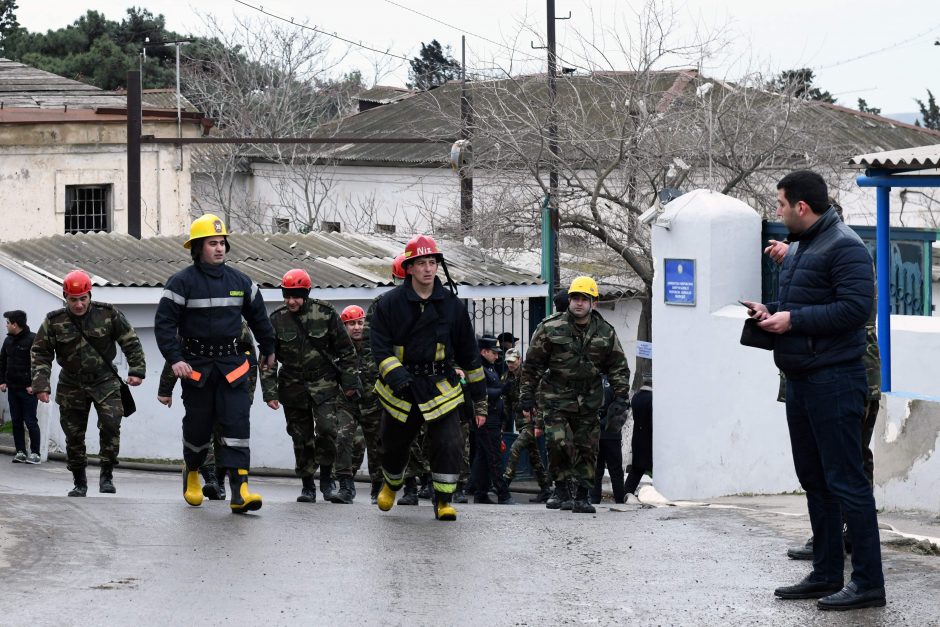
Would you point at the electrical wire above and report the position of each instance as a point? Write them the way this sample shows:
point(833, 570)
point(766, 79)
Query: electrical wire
point(880, 50)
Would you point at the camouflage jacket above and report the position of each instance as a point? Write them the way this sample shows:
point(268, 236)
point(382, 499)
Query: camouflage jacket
point(575, 357)
point(246, 345)
point(513, 409)
point(368, 375)
point(315, 353)
point(81, 359)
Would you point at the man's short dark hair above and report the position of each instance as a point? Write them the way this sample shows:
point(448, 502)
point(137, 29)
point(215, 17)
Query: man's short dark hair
point(16, 316)
point(807, 186)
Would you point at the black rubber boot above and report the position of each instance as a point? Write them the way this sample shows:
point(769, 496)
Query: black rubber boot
point(410, 496)
point(308, 494)
point(581, 503)
point(106, 480)
point(562, 497)
point(376, 486)
point(326, 482)
point(220, 474)
point(210, 487)
point(553, 502)
point(81, 483)
point(425, 491)
point(568, 502)
point(344, 495)
point(542, 496)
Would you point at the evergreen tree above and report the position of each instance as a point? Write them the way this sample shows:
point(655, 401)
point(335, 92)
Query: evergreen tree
point(434, 66)
point(864, 108)
point(800, 83)
point(929, 112)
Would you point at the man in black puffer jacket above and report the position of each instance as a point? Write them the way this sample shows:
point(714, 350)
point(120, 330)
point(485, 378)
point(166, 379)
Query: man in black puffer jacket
point(825, 294)
point(16, 381)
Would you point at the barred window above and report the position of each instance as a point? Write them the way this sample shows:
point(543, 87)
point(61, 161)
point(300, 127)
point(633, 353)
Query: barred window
point(388, 229)
point(281, 225)
point(87, 208)
point(330, 227)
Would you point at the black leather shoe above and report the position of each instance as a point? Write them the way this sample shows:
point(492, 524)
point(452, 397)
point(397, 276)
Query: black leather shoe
point(808, 589)
point(804, 552)
point(849, 598)
point(483, 499)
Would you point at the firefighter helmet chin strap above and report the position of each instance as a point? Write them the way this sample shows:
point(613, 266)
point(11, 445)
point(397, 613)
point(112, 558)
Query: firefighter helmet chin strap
point(451, 285)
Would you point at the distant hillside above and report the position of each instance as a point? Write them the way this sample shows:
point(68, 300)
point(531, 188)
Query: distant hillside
point(907, 118)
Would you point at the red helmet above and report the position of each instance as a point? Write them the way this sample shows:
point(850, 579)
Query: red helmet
point(76, 283)
point(421, 246)
point(398, 271)
point(353, 312)
point(296, 278)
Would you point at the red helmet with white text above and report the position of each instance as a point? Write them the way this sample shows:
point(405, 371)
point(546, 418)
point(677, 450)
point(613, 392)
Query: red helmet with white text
point(421, 246)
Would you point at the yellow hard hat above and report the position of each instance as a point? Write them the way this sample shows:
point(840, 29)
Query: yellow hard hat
point(207, 225)
point(584, 285)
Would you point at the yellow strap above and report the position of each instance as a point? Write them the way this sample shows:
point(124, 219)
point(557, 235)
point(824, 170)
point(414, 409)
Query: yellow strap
point(439, 352)
point(388, 364)
point(476, 375)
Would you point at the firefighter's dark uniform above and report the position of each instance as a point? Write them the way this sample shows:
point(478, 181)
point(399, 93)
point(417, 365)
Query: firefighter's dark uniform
point(416, 344)
point(198, 321)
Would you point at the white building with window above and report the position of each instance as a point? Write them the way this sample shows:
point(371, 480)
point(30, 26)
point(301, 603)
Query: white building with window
point(63, 159)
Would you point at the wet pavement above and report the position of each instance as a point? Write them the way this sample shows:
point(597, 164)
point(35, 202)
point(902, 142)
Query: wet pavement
point(144, 557)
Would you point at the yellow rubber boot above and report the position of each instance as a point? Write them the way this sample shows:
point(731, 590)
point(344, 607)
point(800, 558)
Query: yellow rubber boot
point(242, 499)
point(386, 498)
point(445, 511)
point(192, 489)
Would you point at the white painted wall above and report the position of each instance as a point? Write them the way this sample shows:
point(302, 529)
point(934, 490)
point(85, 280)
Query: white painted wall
point(33, 179)
point(718, 428)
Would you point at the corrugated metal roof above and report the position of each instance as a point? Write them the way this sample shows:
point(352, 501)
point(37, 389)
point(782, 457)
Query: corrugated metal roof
point(924, 157)
point(22, 86)
point(334, 260)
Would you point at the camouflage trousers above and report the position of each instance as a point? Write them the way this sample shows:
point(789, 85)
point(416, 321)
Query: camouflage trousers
point(526, 441)
point(573, 454)
point(419, 454)
point(465, 462)
point(74, 405)
point(313, 431)
point(358, 432)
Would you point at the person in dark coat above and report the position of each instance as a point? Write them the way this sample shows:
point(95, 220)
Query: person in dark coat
point(642, 443)
point(16, 381)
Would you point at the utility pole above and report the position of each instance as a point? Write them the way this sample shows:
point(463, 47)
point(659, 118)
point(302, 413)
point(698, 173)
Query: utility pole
point(134, 124)
point(552, 144)
point(465, 168)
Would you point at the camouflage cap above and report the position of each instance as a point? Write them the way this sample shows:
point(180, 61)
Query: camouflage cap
point(512, 355)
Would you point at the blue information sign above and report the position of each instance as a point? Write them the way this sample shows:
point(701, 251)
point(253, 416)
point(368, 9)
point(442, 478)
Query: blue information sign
point(680, 282)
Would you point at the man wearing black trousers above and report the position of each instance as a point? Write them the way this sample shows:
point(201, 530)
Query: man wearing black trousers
point(16, 381)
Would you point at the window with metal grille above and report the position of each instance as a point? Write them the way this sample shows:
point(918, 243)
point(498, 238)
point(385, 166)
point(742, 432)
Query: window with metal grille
point(87, 208)
point(385, 228)
point(330, 227)
point(281, 225)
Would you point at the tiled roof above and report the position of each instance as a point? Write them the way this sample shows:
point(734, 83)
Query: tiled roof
point(334, 260)
point(922, 157)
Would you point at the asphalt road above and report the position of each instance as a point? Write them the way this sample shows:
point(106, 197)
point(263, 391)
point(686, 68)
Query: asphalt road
point(144, 557)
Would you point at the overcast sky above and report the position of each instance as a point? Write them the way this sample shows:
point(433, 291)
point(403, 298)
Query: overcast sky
point(884, 53)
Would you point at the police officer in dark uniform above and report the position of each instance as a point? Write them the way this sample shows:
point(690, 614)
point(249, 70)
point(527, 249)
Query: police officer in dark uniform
point(487, 464)
point(197, 324)
point(419, 331)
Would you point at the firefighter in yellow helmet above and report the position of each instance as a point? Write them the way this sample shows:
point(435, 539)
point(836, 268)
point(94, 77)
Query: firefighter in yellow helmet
point(197, 325)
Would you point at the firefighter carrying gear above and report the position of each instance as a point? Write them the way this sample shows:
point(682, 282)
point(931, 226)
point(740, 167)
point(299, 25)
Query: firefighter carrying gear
point(243, 500)
point(192, 490)
point(207, 225)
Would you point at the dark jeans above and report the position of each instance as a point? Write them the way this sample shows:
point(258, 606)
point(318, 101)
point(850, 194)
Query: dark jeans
point(487, 465)
point(609, 454)
point(23, 413)
point(824, 415)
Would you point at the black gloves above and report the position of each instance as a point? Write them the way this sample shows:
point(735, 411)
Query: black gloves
point(617, 414)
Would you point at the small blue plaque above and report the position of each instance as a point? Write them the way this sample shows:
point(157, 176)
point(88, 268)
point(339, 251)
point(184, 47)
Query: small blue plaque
point(680, 282)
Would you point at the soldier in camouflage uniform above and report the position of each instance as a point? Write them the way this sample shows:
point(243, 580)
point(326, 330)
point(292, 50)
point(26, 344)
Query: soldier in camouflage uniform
point(529, 430)
point(318, 368)
point(366, 413)
point(576, 347)
point(81, 339)
point(214, 486)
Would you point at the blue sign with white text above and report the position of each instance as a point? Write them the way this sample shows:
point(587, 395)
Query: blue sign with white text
point(680, 281)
